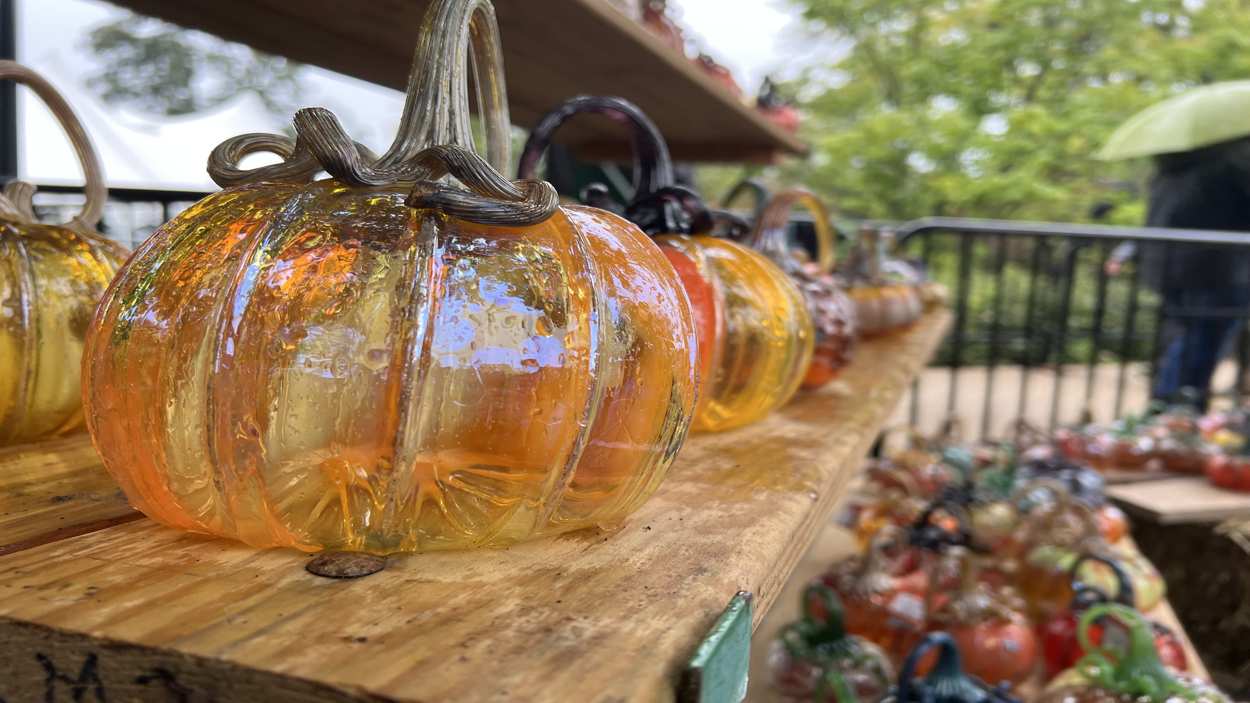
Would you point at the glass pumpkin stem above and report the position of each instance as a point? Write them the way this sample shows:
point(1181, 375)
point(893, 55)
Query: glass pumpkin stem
point(457, 39)
point(758, 192)
point(658, 205)
point(1136, 670)
point(1081, 591)
point(770, 226)
point(828, 619)
point(16, 201)
point(653, 167)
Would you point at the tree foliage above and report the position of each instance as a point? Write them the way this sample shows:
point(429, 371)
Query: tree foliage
point(160, 68)
point(995, 108)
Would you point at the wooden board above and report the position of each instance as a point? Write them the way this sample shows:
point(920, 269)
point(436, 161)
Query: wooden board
point(53, 490)
point(1176, 500)
point(836, 543)
point(590, 616)
point(552, 51)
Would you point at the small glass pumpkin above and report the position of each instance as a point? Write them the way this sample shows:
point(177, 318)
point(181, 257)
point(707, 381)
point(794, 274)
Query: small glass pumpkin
point(51, 277)
point(814, 659)
point(831, 309)
point(994, 637)
point(1131, 673)
point(385, 361)
point(883, 608)
point(1053, 538)
point(1058, 635)
point(946, 682)
point(881, 306)
point(755, 335)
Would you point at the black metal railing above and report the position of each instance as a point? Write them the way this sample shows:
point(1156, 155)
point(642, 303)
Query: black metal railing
point(130, 215)
point(1044, 331)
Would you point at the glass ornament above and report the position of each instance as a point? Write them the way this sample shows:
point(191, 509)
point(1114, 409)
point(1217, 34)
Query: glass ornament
point(387, 360)
point(51, 277)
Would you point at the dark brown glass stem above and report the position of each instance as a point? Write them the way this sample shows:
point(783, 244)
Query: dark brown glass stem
point(658, 205)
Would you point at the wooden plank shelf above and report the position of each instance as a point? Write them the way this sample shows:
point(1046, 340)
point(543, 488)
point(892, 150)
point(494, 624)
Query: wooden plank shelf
point(141, 612)
point(835, 543)
point(552, 51)
point(1188, 499)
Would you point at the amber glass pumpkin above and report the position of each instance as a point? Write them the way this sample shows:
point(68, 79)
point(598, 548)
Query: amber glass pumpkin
point(51, 277)
point(385, 360)
point(755, 334)
point(831, 309)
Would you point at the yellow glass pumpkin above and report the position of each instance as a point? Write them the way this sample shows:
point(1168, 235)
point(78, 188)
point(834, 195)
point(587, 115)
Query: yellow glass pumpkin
point(755, 334)
point(831, 309)
point(51, 277)
point(384, 361)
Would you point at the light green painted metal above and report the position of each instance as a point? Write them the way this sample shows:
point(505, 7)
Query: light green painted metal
point(717, 673)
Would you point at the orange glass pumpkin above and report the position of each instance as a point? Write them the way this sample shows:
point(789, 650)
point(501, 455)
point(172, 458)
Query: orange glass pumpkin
point(831, 309)
point(51, 277)
point(755, 334)
point(881, 306)
point(383, 360)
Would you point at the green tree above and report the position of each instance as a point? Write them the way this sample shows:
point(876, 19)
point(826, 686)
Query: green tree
point(995, 108)
point(164, 69)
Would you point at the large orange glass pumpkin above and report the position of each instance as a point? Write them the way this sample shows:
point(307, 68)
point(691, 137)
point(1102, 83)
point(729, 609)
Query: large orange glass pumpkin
point(51, 277)
point(384, 360)
point(831, 309)
point(755, 334)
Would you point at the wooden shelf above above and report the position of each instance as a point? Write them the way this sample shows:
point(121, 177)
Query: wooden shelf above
point(552, 51)
point(587, 616)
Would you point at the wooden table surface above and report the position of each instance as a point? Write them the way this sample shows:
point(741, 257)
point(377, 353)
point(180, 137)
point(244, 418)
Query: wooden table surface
point(141, 611)
point(1187, 499)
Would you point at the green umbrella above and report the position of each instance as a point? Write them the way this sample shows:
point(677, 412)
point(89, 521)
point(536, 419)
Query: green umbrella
point(1196, 118)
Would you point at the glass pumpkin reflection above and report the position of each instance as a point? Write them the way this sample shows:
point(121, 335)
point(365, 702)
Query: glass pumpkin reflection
point(329, 366)
point(51, 277)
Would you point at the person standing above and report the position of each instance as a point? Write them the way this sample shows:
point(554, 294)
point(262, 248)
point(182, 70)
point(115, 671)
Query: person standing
point(1205, 289)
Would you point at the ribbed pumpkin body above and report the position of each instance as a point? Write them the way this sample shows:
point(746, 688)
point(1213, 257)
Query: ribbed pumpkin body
point(323, 367)
point(51, 278)
point(764, 338)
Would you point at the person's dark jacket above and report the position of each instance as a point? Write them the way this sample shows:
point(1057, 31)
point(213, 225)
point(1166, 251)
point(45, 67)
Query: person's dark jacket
point(1206, 189)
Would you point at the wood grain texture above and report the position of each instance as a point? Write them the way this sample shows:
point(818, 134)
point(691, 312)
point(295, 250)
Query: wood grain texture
point(53, 490)
point(835, 543)
point(590, 616)
point(1171, 501)
point(553, 50)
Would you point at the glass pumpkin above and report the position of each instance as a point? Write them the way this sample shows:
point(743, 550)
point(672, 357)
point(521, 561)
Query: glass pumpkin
point(994, 638)
point(946, 682)
point(831, 309)
point(814, 659)
point(755, 335)
point(51, 277)
point(383, 361)
point(1058, 635)
point(1129, 673)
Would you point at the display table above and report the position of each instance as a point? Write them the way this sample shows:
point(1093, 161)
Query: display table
point(1177, 521)
point(140, 611)
point(835, 543)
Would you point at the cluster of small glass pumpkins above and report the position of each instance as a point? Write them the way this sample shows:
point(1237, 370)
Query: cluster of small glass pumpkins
point(415, 352)
point(1006, 559)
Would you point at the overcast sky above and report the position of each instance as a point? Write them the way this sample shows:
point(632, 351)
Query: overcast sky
point(140, 150)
